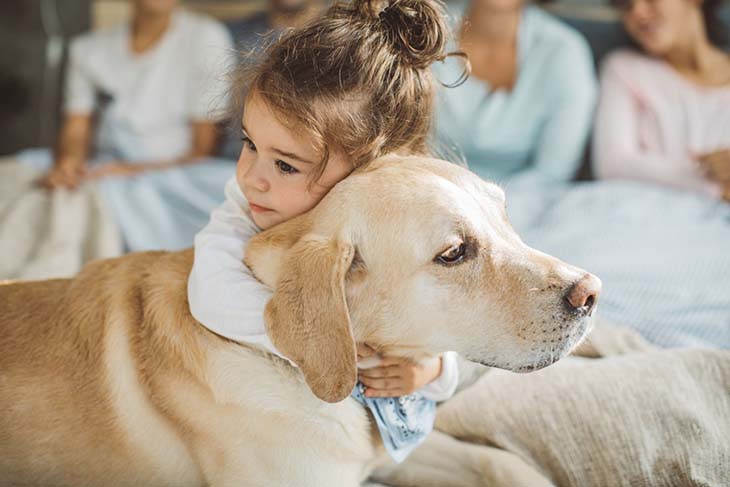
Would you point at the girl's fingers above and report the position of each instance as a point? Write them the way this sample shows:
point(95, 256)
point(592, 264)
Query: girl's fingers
point(396, 392)
point(382, 384)
point(393, 361)
point(380, 372)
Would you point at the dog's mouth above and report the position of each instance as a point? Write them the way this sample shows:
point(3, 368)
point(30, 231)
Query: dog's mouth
point(526, 369)
point(519, 370)
point(548, 354)
point(551, 354)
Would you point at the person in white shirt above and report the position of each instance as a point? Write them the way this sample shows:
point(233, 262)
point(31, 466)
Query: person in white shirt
point(324, 100)
point(143, 95)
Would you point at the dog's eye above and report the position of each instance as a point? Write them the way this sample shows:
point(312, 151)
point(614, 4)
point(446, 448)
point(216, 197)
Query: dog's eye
point(452, 256)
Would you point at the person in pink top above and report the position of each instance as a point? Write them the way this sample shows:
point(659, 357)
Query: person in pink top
point(664, 111)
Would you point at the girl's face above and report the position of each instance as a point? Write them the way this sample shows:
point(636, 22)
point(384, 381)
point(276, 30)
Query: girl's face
point(659, 25)
point(276, 165)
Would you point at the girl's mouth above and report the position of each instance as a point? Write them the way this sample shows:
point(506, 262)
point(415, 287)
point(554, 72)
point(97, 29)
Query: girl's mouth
point(257, 208)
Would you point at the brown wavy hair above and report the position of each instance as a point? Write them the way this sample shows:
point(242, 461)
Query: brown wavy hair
point(358, 79)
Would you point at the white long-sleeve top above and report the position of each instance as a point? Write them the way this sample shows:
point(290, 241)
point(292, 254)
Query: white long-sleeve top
point(226, 298)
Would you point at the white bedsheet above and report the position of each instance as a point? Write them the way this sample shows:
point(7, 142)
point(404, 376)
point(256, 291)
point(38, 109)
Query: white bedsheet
point(663, 255)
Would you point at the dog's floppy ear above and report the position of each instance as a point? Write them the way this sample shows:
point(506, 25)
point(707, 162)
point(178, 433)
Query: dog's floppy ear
point(307, 318)
point(266, 251)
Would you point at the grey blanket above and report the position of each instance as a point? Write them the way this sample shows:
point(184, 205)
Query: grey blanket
point(632, 415)
point(50, 234)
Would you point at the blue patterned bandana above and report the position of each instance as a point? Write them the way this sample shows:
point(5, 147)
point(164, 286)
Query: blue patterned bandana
point(403, 421)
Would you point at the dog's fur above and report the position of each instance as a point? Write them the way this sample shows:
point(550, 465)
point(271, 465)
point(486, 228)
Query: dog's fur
point(106, 379)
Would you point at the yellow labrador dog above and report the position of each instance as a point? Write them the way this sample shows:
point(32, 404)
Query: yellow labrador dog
point(106, 379)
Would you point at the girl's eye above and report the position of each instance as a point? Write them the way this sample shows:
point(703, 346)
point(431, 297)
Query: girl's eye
point(285, 168)
point(248, 144)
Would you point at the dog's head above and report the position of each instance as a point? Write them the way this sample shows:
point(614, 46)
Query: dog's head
point(415, 256)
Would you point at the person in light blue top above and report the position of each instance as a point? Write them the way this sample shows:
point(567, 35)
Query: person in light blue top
point(527, 106)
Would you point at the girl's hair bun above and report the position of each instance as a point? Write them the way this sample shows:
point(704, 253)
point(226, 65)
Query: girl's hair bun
point(416, 30)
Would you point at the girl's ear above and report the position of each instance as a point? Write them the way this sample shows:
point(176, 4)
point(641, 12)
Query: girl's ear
point(307, 319)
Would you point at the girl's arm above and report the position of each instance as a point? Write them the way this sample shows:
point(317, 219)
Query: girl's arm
point(444, 385)
point(223, 294)
point(391, 376)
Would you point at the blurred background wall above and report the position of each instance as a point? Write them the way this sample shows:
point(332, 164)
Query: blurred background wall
point(34, 35)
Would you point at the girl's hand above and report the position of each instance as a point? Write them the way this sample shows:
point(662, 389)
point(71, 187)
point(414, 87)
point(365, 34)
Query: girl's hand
point(398, 376)
point(716, 166)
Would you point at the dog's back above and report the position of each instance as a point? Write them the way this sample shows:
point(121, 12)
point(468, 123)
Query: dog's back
point(21, 324)
point(63, 347)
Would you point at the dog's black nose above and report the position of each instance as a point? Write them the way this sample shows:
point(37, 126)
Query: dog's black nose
point(583, 295)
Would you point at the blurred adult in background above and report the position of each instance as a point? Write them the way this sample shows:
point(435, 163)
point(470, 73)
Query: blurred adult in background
point(664, 114)
point(254, 33)
point(250, 33)
point(142, 96)
point(527, 107)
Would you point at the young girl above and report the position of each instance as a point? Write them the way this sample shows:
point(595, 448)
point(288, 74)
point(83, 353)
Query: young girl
point(327, 99)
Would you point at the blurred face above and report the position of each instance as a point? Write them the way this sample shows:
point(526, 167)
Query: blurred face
point(498, 5)
point(155, 7)
point(292, 6)
point(276, 167)
point(659, 25)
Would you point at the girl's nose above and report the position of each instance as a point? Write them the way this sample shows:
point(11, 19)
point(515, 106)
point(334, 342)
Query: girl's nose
point(255, 176)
